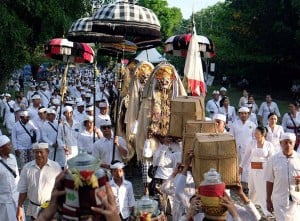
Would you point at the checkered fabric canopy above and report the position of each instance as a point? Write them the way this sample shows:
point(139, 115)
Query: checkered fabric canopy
point(65, 50)
point(178, 45)
point(82, 31)
point(127, 19)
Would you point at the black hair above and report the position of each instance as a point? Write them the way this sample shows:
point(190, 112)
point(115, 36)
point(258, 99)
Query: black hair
point(271, 114)
point(223, 100)
point(263, 130)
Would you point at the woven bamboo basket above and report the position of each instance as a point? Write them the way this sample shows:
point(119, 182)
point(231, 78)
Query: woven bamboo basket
point(182, 110)
point(191, 128)
point(215, 151)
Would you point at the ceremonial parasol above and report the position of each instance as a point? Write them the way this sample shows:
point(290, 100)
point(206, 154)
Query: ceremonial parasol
point(124, 20)
point(68, 51)
point(178, 45)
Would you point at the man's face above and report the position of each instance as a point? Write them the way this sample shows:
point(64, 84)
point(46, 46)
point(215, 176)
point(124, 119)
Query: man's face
point(24, 119)
point(41, 156)
point(244, 116)
point(287, 147)
point(68, 115)
point(220, 125)
point(80, 108)
point(268, 98)
point(106, 130)
point(36, 102)
point(117, 173)
point(6, 149)
point(216, 97)
point(103, 110)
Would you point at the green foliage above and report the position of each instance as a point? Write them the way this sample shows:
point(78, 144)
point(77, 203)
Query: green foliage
point(27, 25)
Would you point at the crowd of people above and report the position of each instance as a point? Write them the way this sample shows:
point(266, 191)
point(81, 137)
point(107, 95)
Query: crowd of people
point(44, 131)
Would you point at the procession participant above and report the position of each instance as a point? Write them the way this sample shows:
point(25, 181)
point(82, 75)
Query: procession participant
point(163, 85)
point(213, 105)
point(30, 92)
point(104, 113)
point(68, 131)
point(242, 130)
point(24, 134)
point(103, 148)
point(79, 113)
point(223, 92)
point(34, 107)
point(139, 74)
point(45, 95)
point(257, 152)
point(266, 108)
point(9, 113)
point(227, 110)
point(36, 182)
point(220, 120)
point(254, 105)
point(86, 136)
point(291, 122)
point(281, 171)
point(252, 116)
point(42, 117)
point(49, 135)
point(9, 174)
point(244, 99)
point(122, 190)
point(274, 132)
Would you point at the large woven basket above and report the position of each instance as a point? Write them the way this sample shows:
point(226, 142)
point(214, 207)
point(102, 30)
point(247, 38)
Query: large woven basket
point(182, 110)
point(215, 151)
point(191, 128)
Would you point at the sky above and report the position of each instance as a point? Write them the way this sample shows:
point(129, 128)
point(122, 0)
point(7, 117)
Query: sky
point(186, 6)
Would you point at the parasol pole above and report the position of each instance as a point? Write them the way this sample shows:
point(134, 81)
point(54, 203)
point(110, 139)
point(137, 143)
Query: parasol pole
point(63, 90)
point(96, 73)
point(120, 81)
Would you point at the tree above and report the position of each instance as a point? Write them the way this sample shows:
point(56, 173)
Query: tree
point(27, 25)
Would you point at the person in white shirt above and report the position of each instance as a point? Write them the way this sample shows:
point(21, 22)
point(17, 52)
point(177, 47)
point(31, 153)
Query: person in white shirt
point(86, 136)
point(291, 122)
point(22, 139)
point(282, 169)
point(274, 132)
point(266, 108)
point(213, 105)
point(49, 135)
point(244, 99)
point(257, 153)
point(220, 120)
point(68, 132)
point(79, 113)
point(227, 110)
point(103, 115)
point(9, 180)
point(36, 182)
point(42, 117)
point(9, 114)
point(34, 107)
point(243, 131)
point(122, 190)
point(103, 148)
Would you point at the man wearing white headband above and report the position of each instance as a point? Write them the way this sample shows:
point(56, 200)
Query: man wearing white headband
point(243, 131)
point(68, 132)
point(122, 190)
point(282, 179)
point(9, 174)
point(36, 182)
point(24, 134)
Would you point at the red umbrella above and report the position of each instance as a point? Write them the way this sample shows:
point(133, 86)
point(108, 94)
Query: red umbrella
point(178, 45)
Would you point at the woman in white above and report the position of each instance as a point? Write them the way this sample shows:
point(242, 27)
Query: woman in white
point(244, 99)
point(291, 122)
point(228, 111)
point(274, 131)
point(85, 139)
point(257, 153)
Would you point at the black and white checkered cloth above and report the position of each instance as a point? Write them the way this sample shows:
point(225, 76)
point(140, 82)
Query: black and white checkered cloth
point(82, 31)
point(145, 167)
point(132, 19)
